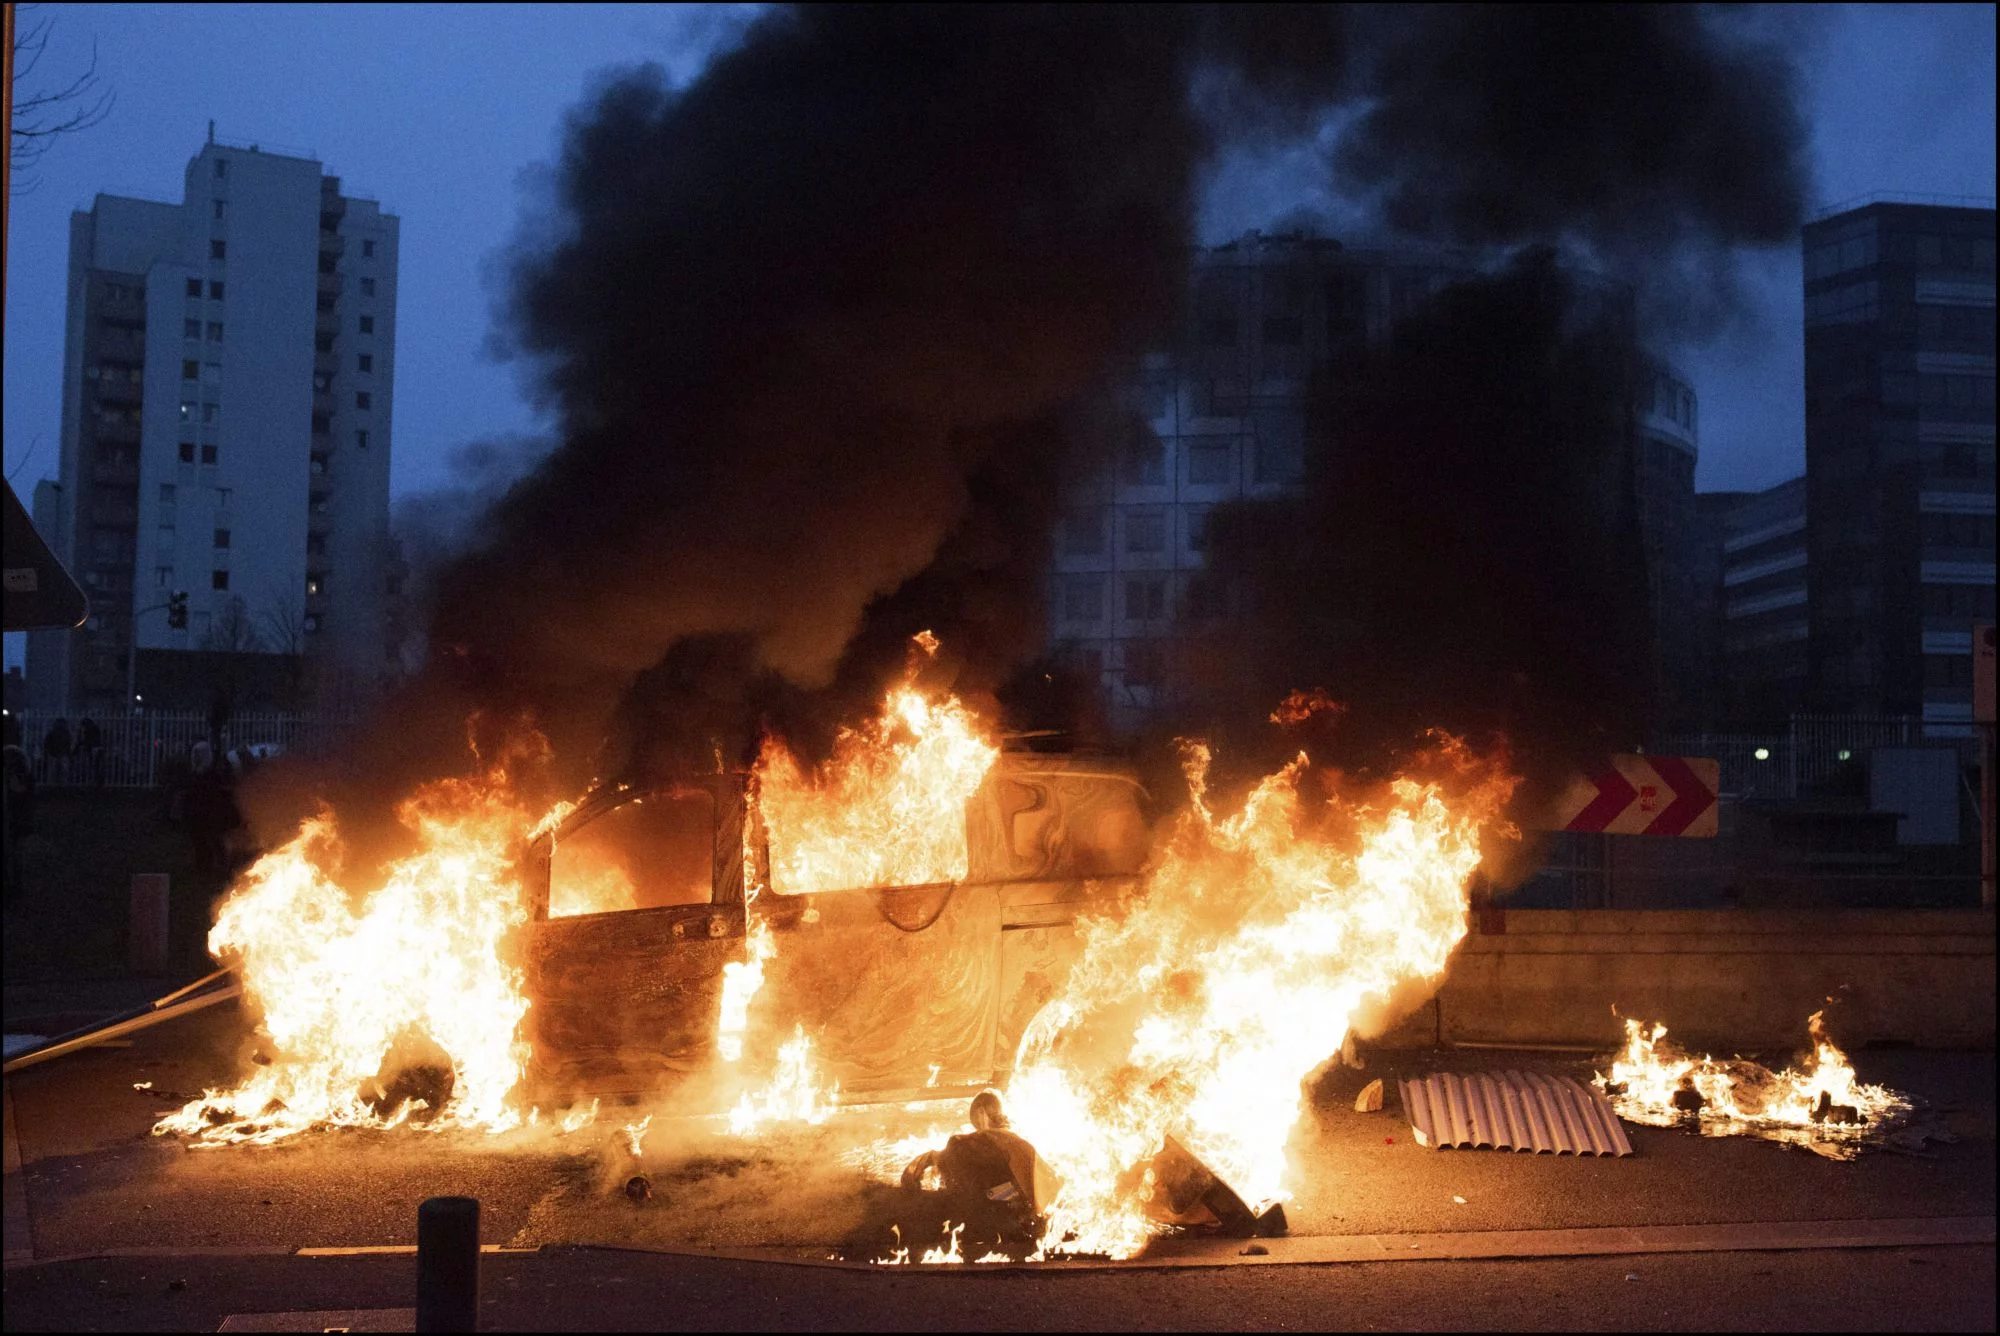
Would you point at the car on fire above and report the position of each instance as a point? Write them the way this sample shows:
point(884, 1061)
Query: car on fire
point(902, 987)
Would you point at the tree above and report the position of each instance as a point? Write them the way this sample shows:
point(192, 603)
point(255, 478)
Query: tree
point(232, 631)
point(44, 113)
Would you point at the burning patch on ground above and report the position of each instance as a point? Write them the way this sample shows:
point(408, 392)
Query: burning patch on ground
point(1819, 1104)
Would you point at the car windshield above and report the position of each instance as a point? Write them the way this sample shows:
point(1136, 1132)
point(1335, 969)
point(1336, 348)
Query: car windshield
point(652, 852)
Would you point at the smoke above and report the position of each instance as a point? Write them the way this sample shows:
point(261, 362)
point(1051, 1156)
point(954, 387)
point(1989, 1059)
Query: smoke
point(817, 330)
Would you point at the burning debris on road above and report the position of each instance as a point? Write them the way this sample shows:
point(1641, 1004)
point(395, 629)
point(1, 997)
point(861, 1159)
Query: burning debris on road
point(1820, 1105)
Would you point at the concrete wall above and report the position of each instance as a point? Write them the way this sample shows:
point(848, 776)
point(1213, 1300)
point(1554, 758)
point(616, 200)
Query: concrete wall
point(1725, 980)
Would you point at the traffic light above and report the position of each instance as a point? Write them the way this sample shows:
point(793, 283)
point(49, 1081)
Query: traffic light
point(177, 611)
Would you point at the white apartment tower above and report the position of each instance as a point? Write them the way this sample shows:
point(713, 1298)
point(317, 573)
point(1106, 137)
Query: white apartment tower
point(228, 397)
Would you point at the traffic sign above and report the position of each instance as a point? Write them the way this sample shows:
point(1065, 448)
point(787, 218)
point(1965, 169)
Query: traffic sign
point(1644, 795)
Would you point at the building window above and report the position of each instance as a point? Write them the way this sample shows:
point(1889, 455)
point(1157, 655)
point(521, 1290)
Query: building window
point(368, 287)
point(190, 329)
point(163, 576)
point(194, 287)
point(218, 579)
point(366, 362)
point(222, 495)
point(1284, 331)
point(221, 168)
point(222, 538)
point(208, 454)
point(215, 331)
point(316, 582)
point(1145, 600)
point(361, 399)
point(367, 324)
point(187, 452)
point(1211, 460)
point(190, 371)
point(167, 493)
point(219, 210)
point(1083, 598)
point(211, 373)
point(1197, 528)
point(367, 250)
point(210, 412)
point(315, 544)
point(361, 438)
point(1083, 533)
point(1144, 463)
point(1142, 663)
point(1280, 457)
point(1145, 532)
point(188, 407)
point(218, 250)
point(215, 289)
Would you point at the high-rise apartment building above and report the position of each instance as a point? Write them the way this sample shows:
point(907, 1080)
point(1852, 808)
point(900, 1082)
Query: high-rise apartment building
point(228, 395)
point(1899, 454)
point(1758, 544)
point(1223, 416)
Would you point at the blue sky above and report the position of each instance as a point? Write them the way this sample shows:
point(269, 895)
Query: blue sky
point(436, 110)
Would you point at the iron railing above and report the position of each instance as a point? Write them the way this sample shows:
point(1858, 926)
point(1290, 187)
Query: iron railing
point(143, 751)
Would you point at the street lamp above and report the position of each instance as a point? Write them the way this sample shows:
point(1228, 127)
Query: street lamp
point(1762, 753)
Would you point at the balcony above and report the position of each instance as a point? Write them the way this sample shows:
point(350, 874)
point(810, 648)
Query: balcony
point(326, 323)
point(332, 243)
point(117, 390)
point(118, 472)
point(330, 284)
point(116, 429)
point(323, 408)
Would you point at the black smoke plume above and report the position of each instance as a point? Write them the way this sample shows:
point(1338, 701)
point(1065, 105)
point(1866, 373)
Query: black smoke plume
point(816, 329)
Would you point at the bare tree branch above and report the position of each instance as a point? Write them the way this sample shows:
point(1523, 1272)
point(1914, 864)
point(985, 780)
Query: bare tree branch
point(41, 116)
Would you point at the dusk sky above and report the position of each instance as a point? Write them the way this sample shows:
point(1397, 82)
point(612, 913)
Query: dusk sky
point(437, 110)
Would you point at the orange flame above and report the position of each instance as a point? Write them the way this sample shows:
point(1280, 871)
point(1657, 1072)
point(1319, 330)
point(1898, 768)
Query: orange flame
point(888, 809)
point(343, 986)
point(1260, 937)
point(1645, 1077)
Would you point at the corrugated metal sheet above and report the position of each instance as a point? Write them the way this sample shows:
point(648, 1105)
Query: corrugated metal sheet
point(1513, 1111)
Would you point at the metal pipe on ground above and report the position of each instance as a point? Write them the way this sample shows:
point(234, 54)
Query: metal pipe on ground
point(448, 1264)
point(127, 1022)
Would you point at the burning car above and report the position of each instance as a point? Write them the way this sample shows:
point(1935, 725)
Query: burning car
point(641, 902)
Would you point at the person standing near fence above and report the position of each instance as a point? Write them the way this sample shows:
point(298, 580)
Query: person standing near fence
point(89, 752)
point(55, 752)
point(17, 818)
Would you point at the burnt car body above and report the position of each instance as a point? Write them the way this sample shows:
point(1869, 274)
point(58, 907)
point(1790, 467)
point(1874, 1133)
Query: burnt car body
point(899, 987)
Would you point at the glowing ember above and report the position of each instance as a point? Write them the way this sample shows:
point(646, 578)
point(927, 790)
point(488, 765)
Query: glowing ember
point(1260, 937)
point(578, 1119)
point(888, 809)
point(1651, 1079)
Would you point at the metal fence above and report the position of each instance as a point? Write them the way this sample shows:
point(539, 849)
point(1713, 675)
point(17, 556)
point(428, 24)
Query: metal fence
point(1814, 751)
point(143, 751)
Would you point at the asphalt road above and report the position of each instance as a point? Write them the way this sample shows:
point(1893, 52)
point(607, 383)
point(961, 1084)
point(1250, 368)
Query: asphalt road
point(96, 1183)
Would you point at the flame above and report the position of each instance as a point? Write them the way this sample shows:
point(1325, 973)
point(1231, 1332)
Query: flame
point(1260, 936)
point(1646, 1075)
point(578, 1119)
point(888, 809)
point(592, 882)
point(793, 1094)
point(349, 988)
point(741, 981)
point(635, 1135)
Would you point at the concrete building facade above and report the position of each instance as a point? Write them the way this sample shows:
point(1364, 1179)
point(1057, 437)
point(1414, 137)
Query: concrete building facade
point(1223, 416)
point(228, 396)
point(1761, 574)
point(1899, 454)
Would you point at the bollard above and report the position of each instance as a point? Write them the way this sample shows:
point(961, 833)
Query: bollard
point(146, 945)
point(448, 1264)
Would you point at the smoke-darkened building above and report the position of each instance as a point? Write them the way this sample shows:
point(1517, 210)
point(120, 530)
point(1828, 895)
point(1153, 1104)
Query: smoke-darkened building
point(1899, 453)
point(1669, 445)
point(1220, 418)
point(1224, 416)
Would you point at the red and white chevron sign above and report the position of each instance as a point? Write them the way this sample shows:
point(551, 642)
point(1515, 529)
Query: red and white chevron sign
point(1644, 795)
